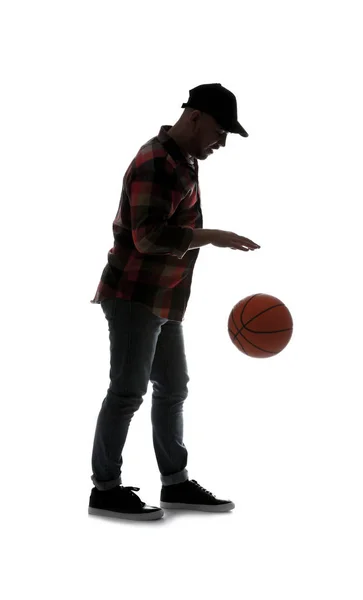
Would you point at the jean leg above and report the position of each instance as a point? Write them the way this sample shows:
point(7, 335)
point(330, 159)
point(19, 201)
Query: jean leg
point(169, 376)
point(133, 334)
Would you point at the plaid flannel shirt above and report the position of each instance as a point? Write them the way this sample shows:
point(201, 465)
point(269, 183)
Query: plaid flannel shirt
point(159, 207)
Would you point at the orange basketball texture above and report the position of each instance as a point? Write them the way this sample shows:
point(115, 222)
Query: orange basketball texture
point(260, 325)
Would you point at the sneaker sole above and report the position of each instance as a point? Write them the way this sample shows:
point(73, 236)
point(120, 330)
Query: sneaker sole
point(149, 516)
point(201, 507)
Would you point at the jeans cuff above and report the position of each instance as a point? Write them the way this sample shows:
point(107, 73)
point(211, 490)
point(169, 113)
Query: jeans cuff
point(174, 478)
point(106, 485)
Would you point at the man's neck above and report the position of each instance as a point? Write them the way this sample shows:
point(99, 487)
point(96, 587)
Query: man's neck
point(178, 139)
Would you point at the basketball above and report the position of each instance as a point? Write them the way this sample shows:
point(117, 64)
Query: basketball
point(260, 325)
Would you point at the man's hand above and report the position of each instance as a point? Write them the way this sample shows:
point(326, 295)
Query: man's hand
point(227, 239)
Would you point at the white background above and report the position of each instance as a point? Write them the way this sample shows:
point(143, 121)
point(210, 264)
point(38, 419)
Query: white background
point(84, 85)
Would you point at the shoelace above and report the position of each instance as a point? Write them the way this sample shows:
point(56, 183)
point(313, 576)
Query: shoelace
point(130, 490)
point(202, 488)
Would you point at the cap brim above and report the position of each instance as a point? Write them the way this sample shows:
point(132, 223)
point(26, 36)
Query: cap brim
point(239, 129)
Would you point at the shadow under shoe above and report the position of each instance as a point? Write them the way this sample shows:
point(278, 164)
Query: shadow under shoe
point(120, 502)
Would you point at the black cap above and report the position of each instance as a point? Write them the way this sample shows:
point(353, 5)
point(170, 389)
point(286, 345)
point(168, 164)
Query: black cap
point(220, 103)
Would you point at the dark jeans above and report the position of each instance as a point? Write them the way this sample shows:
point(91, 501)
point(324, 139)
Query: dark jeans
point(143, 348)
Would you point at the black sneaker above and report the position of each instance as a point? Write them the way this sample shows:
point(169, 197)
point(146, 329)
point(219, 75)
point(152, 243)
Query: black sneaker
point(192, 496)
point(122, 503)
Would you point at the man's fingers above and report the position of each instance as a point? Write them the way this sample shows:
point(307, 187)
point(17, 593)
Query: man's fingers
point(250, 243)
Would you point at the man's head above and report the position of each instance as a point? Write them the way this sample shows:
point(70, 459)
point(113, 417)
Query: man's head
point(196, 133)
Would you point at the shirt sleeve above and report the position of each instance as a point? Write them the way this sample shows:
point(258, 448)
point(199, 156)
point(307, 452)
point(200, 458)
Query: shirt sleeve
point(154, 198)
